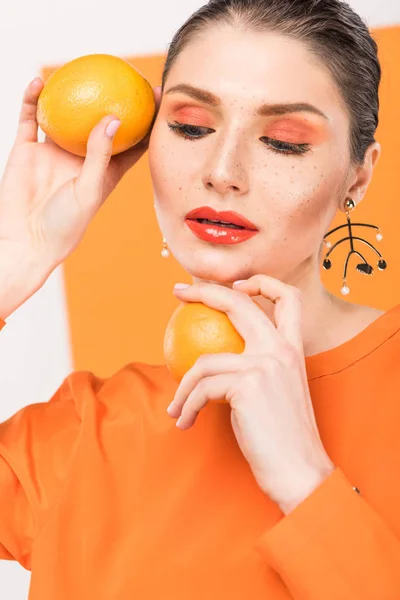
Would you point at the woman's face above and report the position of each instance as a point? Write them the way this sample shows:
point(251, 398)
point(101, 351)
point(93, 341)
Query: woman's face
point(284, 170)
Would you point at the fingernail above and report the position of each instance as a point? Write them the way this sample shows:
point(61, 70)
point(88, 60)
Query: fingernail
point(112, 128)
point(169, 407)
point(239, 281)
point(179, 421)
point(181, 286)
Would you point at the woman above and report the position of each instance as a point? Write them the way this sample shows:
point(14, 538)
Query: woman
point(101, 495)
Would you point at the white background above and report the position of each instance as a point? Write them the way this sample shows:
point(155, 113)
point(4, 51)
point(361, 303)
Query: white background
point(34, 350)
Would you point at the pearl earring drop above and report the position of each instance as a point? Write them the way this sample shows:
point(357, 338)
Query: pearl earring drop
point(165, 251)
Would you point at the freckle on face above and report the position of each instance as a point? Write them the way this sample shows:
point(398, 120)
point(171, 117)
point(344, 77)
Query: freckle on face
point(281, 201)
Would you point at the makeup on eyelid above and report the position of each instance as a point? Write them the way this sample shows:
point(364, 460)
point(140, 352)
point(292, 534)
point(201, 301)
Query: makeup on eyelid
point(192, 116)
point(296, 130)
point(293, 129)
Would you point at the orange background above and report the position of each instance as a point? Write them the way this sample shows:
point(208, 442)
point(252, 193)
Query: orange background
point(119, 288)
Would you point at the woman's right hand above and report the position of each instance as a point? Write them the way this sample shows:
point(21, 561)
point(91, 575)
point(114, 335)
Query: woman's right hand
point(48, 196)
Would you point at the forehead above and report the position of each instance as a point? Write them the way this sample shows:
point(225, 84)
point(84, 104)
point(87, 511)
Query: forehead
point(256, 67)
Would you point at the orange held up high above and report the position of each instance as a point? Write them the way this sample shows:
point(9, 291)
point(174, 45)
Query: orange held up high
point(83, 91)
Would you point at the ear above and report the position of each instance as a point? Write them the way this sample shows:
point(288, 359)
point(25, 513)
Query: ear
point(363, 174)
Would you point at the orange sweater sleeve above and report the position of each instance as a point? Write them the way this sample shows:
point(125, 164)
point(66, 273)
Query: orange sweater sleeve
point(334, 546)
point(36, 446)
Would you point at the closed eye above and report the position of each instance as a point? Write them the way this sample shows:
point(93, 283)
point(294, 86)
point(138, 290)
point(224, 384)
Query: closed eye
point(194, 132)
point(189, 132)
point(285, 147)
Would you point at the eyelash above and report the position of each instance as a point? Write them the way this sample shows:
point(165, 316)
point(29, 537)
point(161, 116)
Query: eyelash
point(191, 132)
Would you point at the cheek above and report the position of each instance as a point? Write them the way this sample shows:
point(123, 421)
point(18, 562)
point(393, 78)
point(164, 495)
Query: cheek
point(302, 199)
point(309, 188)
point(168, 162)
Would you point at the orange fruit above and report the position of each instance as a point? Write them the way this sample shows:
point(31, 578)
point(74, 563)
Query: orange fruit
point(195, 329)
point(83, 91)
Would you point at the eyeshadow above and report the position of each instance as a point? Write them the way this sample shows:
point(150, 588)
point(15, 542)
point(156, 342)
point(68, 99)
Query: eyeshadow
point(296, 130)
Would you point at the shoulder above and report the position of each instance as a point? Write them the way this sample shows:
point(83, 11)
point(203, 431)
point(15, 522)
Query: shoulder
point(80, 396)
point(128, 388)
point(40, 442)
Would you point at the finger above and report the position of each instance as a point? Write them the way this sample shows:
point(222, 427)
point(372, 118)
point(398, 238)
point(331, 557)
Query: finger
point(206, 366)
point(249, 320)
point(125, 160)
point(98, 155)
point(207, 390)
point(288, 305)
point(28, 125)
point(48, 140)
point(157, 95)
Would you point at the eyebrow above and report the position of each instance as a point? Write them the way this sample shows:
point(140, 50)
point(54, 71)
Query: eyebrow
point(266, 110)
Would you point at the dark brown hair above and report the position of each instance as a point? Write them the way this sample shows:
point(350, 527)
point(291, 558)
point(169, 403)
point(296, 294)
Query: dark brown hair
point(331, 30)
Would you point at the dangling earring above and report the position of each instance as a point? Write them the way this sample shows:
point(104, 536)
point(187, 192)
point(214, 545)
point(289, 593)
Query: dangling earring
point(165, 251)
point(364, 267)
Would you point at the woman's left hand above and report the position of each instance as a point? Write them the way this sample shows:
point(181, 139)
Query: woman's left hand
point(266, 386)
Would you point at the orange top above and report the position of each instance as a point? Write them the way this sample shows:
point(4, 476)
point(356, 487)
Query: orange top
point(103, 497)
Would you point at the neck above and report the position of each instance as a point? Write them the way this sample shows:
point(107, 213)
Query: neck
point(323, 324)
point(322, 312)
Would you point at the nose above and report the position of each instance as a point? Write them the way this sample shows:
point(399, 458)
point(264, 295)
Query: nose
point(225, 172)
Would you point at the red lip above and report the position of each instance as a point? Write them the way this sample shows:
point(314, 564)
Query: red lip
point(206, 212)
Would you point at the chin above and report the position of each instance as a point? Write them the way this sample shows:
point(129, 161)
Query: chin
point(209, 266)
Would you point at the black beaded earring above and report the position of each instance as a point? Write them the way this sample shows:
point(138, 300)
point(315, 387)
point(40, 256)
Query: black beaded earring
point(363, 267)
